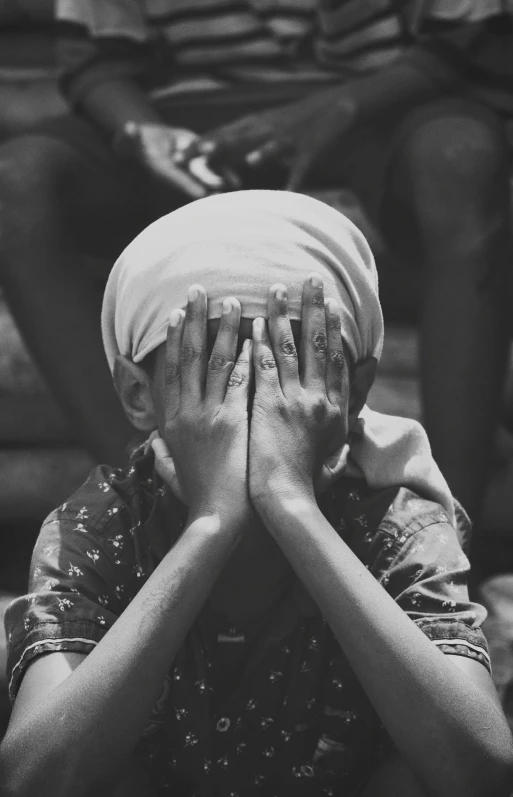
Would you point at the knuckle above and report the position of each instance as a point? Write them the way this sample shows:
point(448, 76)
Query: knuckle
point(320, 342)
point(319, 409)
point(237, 379)
point(218, 362)
point(172, 371)
point(267, 363)
point(337, 357)
point(190, 354)
point(288, 347)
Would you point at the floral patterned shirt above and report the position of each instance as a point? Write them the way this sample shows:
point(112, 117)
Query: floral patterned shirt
point(294, 720)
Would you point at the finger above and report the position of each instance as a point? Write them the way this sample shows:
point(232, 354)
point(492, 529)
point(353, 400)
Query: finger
point(282, 339)
point(299, 171)
point(241, 377)
point(266, 374)
point(165, 467)
point(204, 146)
point(172, 368)
point(335, 361)
point(235, 140)
point(313, 334)
point(332, 469)
point(266, 151)
point(181, 144)
point(179, 179)
point(199, 168)
point(224, 353)
point(193, 353)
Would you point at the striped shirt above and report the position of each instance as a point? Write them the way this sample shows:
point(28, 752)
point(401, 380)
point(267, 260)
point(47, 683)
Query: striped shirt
point(210, 42)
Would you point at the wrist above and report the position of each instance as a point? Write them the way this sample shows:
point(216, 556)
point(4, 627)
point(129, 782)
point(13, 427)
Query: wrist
point(215, 519)
point(283, 499)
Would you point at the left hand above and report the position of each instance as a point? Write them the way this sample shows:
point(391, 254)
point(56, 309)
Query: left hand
point(298, 134)
point(300, 408)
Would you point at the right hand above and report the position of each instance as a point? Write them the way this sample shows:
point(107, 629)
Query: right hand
point(160, 149)
point(206, 429)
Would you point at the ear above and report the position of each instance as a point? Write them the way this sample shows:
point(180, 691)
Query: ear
point(362, 377)
point(133, 387)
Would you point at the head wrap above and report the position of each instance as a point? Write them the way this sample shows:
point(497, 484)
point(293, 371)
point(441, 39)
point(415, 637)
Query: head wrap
point(240, 244)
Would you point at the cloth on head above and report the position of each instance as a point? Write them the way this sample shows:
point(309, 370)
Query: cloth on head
point(240, 244)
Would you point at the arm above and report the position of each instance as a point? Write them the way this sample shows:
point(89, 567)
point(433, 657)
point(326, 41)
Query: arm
point(104, 55)
point(116, 102)
point(75, 737)
point(302, 131)
point(432, 710)
point(447, 726)
point(102, 78)
point(104, 703)
point(45, 674)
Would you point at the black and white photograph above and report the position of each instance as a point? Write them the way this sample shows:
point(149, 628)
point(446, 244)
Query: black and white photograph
point(256, 398)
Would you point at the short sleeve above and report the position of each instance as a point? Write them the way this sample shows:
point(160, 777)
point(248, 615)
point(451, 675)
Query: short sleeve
point(428, 578)
point(80, 582)
point(105, 18)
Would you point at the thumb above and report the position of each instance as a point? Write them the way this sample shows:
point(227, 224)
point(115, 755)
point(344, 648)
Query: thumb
point(165, 467)
point(332, 469)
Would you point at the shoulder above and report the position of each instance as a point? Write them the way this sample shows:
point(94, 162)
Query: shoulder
point(96, 505)
point(375, 523)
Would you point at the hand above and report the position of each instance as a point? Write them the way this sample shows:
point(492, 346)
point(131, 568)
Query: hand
point(300, 409)
point(206, 412)
point(160, 149)
point(297, 134)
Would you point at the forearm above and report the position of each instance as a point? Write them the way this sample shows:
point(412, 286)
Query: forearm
point(392, 90)
point(451, 734)
point(83, 731)
point(114, 103)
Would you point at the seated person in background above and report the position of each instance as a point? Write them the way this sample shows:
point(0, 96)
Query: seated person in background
point(273, 600)
point(386, 98)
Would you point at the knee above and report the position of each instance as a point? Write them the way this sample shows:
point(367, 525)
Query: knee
point(455, 153)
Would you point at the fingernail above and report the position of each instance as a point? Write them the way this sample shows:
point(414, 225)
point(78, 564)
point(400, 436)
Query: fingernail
point(315, 281)
point(281, 293)
point(332, 306)
point(175, 318)
point(246, 345)
point(192, 294)
point(252, 158)
point(259, 323)
point(227, 306)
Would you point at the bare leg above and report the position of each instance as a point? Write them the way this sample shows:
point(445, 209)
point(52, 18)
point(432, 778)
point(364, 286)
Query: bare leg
point(453, 175)
point(51, 202)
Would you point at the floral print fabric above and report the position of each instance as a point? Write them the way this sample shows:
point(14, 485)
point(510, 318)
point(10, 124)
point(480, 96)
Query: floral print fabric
point(297, 721)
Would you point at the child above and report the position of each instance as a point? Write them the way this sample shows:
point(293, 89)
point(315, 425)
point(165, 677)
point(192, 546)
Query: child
point(273, 600)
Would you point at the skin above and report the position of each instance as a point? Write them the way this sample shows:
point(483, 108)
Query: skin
point(436, 708)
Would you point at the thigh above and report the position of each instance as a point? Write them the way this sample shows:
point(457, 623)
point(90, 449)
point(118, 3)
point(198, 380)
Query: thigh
point(101, 200)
